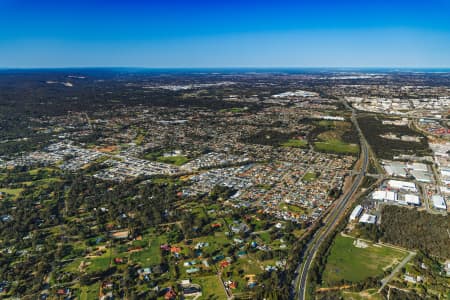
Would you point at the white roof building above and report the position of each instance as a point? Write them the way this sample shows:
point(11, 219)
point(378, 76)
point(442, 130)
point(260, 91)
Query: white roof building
point(356, 212)
point(439, 202)
point(368, 219)
point(384, 196)
point(379, 195)
point(412, 199)
point(422, 176)
point(418, 166)
point(391, 196)
point(445, 172)
point(402, 185)
point(396, 168)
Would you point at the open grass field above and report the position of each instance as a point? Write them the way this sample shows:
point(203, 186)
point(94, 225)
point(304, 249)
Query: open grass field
point(37, 170)
point(295, 143)
point(336, 146)
point(100, 263)
point(211, 287)
point(293, 208)
point(333, 141)
point(90, 292)
point(174, 160)
point(13, 192)
point(354, 264)
point(151, 255)
point(327, 123)
point(265, 236)
point(310, 176)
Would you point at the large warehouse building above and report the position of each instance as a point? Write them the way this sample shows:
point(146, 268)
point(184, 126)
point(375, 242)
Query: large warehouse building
point(439, 202)
point(402, 185)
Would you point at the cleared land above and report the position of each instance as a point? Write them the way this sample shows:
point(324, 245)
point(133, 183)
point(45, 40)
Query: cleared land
point(148, 257)
point(295, 143)
point(333, 140)
point(336, 146)
point(13, 192)
point(90, 292)
point(211, 287)
point(350, 263)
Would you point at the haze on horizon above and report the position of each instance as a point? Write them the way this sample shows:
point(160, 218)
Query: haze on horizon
point(232, 33)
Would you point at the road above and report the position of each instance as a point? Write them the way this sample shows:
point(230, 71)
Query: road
point(396, 270)
point(335, 216)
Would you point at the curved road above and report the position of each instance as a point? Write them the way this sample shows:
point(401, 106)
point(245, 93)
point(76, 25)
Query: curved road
point(335, 215)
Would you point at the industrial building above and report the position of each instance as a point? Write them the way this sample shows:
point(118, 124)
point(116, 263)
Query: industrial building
point(420, 171)
point(439, 202)
point(368, 219)
point(356, 212)
point(396, 168)
point(384, 196)
point(400, 198)
point(410, 199)
point(402, 185)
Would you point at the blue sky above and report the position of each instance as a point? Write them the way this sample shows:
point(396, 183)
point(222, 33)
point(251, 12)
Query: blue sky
point(174, 33)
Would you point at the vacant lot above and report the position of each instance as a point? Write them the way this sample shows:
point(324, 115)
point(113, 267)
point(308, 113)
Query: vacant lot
point(211, 287)
point(347, 262)
point(336, 137)
point(150, 255)
point(336, 146)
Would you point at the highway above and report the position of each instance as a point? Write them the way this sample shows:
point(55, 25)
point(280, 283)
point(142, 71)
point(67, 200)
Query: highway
point(333, 219)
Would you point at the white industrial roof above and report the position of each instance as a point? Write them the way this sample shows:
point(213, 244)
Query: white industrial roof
point(412, 199)
point(379, 195)
point(356, 212)
point(391, 196)
point(438, 202)
point(411, 186)
point(422, 176)
point(384, 195)
point(369, 219)
point(418, 166)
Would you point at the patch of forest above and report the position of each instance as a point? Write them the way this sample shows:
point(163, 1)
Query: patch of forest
point(414, 229)
point(373, 128)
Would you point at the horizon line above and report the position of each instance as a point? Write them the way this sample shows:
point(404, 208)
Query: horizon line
point(226, 67)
